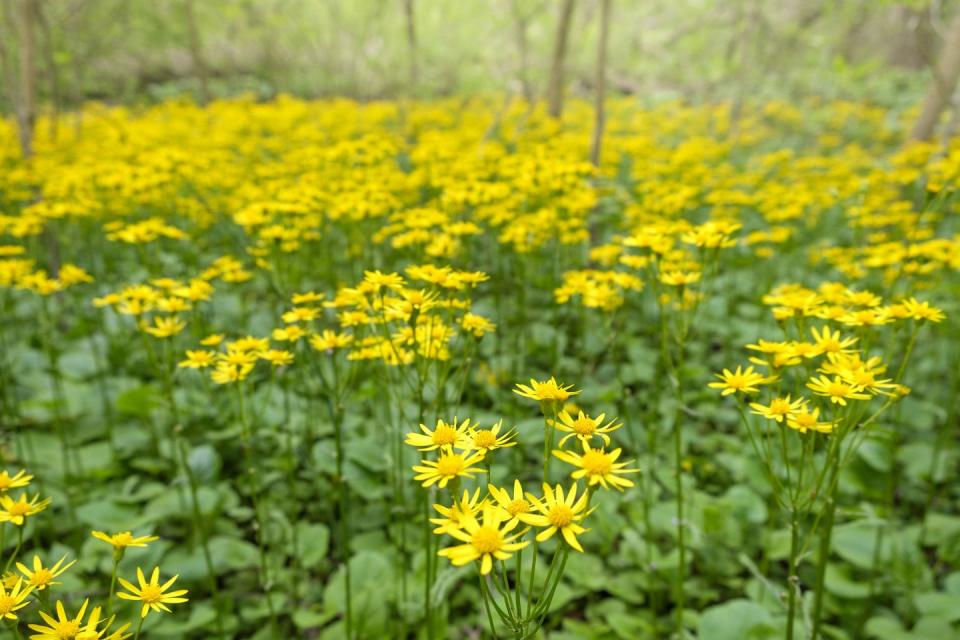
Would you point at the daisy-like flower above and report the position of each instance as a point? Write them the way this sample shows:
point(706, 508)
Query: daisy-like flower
point(277, 357)
point(443, 435)
point(306, 297)
point(598, 467)
point(809, 420)
point(778, 409)
point(922, 311)
point(330, 340)
point(561, 513)
point(198, 359)
point(17, 511)
point(827, 342)
point(165, 327)
point(484, 540)
point(212, 340)
point(742, 381)
point(152, 594)
point(517, 506)
point(679, 278)
point(123, 539)
point(13, 598)
point(378, 280)
point(546, 391)
point(7, 482)
point(836, 389)
point(448, 466)
point(453, 515)
point(63, 627)
point(584, 427)
point(477, 325)
point(487, 440)
point(290, 333)
point(300, 314)
point(41, 577)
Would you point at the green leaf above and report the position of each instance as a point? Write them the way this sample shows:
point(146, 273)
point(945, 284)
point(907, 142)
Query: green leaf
point(940, 605)
point(314, 541)
point(735, 620)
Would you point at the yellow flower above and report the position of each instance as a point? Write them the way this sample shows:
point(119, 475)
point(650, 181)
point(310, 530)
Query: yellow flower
point(598, 467)
point(212, 340)
point(448, 466)
point(484, 540)
point(17, 511)
point(584, 427)
point(306, 297)
point(560, 513)
point(922, 311)
point(827, 342)
point(836, 389)
point(545, 391)
point(7, 482)
point(477, 325)
point(443, 435)
point(806, 420)
point(300, 314)
point(487, 440)
point(378, 280)
point(41, 577)
point(778, 409)
point(198, 359)
point(277, 357)
point(152, 594)
point(679, 278)
point(453, 515)
point(747, 381)
point(517, 506)
point(165, 327)
point(123, 539)
point(330, 340)
point(64, 627)
point(13, 599)
point(290, 333)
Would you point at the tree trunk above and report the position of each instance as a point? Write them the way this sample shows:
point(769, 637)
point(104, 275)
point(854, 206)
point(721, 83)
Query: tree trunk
point(521, 23)
point(599, 108)
point(53, 72)
point(943, 85)
point(555, 88)
point(196, 53)
point(413, 71)
point(27, 96)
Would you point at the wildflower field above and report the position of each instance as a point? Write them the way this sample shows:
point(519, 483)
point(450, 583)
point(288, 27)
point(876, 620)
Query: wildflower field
point(327, 369)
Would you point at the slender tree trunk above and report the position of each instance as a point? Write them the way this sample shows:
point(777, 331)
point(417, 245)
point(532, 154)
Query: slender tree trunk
point(196, 52)
point(27, 95)
point(599, 107)
point(521, 22)
point(558, 61)
point(410, 15)
point(944, 83)
point(53, 73)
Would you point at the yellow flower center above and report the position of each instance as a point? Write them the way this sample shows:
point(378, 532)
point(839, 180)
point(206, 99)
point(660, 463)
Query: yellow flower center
point(584, 426)
point(450, 465)
point(19, 509)
point(41, 577)
point(486, 539)
point(560, 515)
point(7, 603)
point(67, 630)
point(122, 539)
point(151, 594)
point(779, 407)
point(596, 463)
point(837, 389)
point(444, 435)
point(518, 506)
point(484, 439)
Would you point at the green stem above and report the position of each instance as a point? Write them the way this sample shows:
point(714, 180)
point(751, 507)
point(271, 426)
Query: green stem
point(792, 580)
point(136, 636)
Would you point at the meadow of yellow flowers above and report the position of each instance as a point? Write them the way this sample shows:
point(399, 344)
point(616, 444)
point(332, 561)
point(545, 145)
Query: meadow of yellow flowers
point(321, 369)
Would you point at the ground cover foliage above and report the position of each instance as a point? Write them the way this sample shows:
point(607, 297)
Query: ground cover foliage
point(224, 326)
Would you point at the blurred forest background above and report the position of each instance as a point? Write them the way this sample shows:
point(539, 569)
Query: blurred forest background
point(60, 53)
